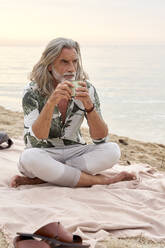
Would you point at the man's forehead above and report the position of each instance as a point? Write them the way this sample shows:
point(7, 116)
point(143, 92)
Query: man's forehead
point(68, 53)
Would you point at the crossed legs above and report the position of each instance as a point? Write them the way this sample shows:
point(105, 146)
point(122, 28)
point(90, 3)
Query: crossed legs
point(80, 168)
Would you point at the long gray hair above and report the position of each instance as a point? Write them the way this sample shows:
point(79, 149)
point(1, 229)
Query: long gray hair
point(40, 73)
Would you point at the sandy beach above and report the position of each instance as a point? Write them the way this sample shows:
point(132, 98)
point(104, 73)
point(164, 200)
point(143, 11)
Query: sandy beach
point(133, 151)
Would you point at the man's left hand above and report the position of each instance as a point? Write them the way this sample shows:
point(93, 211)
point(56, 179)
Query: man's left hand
point(82, 94)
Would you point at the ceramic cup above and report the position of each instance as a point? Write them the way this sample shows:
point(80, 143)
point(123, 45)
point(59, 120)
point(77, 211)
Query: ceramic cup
point(76, 85)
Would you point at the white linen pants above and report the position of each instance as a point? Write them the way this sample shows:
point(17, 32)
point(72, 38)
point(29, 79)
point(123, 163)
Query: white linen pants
point(63, 166)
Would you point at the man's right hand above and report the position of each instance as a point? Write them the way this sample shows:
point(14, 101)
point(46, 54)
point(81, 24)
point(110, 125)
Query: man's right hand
point(62, 91)
point(41, 126)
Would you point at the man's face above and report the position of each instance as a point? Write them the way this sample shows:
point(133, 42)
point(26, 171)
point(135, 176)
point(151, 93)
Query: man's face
point(65, 66)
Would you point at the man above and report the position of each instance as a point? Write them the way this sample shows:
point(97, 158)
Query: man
point(55, 150)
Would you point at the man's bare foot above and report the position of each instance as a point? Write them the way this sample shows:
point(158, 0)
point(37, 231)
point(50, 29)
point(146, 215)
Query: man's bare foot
point(87, 180)
point(122, 176)
point(21, 180)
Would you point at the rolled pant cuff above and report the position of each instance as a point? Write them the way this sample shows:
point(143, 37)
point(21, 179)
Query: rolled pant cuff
point(70, 178)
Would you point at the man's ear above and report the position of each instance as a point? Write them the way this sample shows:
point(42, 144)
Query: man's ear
point(50, 68)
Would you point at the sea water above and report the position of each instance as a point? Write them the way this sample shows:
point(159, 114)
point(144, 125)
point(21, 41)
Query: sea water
point(130, 80)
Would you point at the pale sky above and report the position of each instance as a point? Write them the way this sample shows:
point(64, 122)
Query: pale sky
point(35, 22)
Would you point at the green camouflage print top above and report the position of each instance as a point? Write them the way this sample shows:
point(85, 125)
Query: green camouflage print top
point(61, 134)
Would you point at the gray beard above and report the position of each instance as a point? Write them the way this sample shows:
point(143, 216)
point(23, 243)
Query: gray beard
point(60, 78)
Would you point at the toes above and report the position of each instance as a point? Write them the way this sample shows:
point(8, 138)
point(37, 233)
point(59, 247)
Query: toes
point(128, 176)
point(131, 177)
point(15, 181)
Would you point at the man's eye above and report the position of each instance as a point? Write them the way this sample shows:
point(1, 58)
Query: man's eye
point(64, 61)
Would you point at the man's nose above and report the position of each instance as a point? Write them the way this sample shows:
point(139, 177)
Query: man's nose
point(71, 67)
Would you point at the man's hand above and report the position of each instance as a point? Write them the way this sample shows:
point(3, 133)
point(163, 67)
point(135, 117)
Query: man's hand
point(62, 91)
point(97, 127)
point(41, 126)
point(82, 94)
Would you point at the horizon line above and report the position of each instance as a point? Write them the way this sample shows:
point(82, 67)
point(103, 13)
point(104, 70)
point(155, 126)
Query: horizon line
point(86, 43)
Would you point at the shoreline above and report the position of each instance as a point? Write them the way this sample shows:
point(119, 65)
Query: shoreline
point(132, 151)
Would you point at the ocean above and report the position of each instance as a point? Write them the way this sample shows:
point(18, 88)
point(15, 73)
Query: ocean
point(130, 80)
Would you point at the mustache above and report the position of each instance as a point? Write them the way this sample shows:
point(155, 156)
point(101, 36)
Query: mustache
point(69, 74)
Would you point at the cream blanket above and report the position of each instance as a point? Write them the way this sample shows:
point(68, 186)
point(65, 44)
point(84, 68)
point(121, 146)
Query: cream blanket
point(124, 209)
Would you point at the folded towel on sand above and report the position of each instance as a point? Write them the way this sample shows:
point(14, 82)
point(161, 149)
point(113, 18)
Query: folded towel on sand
point(124, 209)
